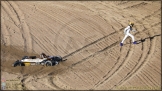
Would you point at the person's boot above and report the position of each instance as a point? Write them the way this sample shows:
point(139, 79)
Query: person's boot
point(121, 44)
point(134, 42)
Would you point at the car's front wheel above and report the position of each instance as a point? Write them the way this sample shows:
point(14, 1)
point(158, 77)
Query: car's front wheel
point(21, 64)
point(15, 63)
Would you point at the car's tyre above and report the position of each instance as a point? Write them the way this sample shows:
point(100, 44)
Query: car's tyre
point(43, 62)
point(21, 64)
point(48, 63)
point(14, 65)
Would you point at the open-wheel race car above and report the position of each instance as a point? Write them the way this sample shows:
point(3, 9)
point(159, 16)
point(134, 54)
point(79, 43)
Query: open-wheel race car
point(43, 60)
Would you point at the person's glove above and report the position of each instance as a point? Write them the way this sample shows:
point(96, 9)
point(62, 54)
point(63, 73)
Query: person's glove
point(134, 30)
point(125, 33)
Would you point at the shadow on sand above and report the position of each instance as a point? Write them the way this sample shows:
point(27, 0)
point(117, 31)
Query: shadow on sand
point(143, 40)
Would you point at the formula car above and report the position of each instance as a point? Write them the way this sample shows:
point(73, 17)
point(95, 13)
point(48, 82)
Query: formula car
point(43, 60)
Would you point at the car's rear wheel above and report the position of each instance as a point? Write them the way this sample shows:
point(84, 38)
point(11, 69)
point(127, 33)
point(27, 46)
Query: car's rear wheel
point(48, 63)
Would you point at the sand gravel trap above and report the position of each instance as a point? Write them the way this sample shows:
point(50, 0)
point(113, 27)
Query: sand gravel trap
point(88, 34)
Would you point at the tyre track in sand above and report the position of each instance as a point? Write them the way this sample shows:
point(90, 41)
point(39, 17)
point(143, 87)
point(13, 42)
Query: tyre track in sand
point(23, 27)
point(131, 63)
point(139, 65)
point(147, 56)
point(142, 63)
point(93, 56)
point(5, 36)
point(91, 44)
point(5, 6)
point(27, 82)
point(133, 70)
point(116, 67)
point(61, 21)
point(89, 22)
point(94, 42)
point(50, 80)
point(43, 47)
point(42, 26)
point(116, 71)
point(125, 60)
point(72, 65)
point(85, 58)
point(136, 5)
point(6, 9)
point(136, 66)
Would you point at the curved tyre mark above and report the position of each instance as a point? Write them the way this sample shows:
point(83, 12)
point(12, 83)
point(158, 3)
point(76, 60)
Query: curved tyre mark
point(24, 27)
point(68, 26)
point(141, 63)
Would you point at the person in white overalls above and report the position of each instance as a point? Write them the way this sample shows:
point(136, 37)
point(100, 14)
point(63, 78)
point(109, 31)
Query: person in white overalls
point(126, 32)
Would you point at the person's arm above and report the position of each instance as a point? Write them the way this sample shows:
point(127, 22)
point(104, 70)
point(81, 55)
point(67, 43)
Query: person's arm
point(126, 29)
point(133, 30)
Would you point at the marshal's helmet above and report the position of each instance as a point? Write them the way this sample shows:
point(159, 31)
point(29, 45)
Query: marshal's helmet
point(131, 24)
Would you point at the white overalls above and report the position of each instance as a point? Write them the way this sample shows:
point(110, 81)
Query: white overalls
point(126, 32)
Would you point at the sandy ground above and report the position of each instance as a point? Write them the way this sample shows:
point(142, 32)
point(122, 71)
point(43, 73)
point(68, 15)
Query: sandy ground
point(88, 34)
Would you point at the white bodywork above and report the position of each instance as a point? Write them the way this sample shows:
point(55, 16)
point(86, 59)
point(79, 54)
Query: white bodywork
point(33, 60)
